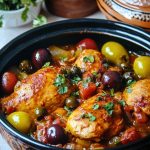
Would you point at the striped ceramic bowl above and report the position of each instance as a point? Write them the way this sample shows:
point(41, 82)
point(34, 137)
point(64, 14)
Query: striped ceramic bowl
point(135, 12)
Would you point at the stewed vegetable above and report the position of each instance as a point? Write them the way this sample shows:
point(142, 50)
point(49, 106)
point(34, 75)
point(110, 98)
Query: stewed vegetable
point(78, 96)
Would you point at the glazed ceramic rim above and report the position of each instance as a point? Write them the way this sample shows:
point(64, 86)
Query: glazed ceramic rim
point(122, 28)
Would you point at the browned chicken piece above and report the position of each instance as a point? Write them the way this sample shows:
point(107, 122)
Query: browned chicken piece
point(36, 90)
point(138, 95)
point(95, 117)
point(90, 60)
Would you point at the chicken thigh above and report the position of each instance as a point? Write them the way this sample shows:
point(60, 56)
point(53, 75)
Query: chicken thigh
point(36, 90)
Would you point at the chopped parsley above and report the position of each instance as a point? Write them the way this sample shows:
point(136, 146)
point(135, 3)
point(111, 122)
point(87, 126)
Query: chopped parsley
point(89, 59)
point(39, 21)
point(63, 58)
point(69, 111)
point(60, 82)
point(1, 21)
point(95, 106)
point(89, 115)
point(47, 64)
point(75, 80)
point(122, 103)
point(111, 92)
point(62, 89)
point(75, 93)
point(129, 90)
point(86, 82)
point(109, 108)
point(99, 98)
point(130, 82)
point(104, 93)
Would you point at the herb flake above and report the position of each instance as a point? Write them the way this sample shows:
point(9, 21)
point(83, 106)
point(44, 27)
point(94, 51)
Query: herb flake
point(89, 59)
point(109, 108)
point(95, 106)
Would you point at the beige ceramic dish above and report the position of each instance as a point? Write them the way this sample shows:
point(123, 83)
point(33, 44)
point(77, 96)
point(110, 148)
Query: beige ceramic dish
point(135, 12)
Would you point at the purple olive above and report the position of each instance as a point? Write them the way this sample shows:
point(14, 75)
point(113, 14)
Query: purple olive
point(56, 135)
point(112, 79)
point(40, 57)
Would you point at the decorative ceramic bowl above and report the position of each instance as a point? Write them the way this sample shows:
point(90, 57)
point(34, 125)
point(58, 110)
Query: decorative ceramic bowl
point(66, 32)
point(13, 18)
point(135, 12)
point(71, 8)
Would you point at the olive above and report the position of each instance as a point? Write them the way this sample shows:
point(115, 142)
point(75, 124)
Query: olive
point(20, 120)
point(56, 135)
point(40, 57)
point(9, 80)
point(112, 79)
point(115, 53)
point(71, 102)
point(40, 112)
point(26, 66)
point(76, 71)
point(141, 66)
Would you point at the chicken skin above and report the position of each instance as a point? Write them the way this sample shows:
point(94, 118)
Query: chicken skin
point(138, 95)
point(90, 60)
point(36, 90)
point(95, 117)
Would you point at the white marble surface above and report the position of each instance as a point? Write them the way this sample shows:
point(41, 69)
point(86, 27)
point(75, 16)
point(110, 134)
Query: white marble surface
point(7, 34)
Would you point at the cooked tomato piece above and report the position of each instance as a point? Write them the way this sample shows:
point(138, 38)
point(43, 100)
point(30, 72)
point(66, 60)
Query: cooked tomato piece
point(9, 80)
point(87, 43)
point(87, 91)
point(130, 135)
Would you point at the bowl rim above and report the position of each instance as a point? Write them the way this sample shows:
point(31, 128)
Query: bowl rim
point(26, 139)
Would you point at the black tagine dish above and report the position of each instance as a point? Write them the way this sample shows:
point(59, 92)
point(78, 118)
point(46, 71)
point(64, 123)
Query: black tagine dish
point(76, 84)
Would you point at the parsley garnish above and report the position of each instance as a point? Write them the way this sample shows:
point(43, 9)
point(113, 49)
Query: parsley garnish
point(47, 64)
point(62, 89)
point(24, 14)
point(64, 58)
point(104, 93)
point(1, 21)
point(129, 90)
point(75, 93)
point(99, 98)
point(130, 82)
point(95, 106)
point(68, 110)
point(60, 82)
point(122, 103)
point(39, 21)
point(76, 79)
point(111, 92)
point(89, 115)
point(86, 81)
point(89, 59)
point(109, 108)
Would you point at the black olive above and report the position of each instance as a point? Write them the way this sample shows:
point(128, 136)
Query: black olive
point(56, 135)
point(40, 112)
point(26, 66)
point(40, 57)
point(112, 79)
point(71, 102)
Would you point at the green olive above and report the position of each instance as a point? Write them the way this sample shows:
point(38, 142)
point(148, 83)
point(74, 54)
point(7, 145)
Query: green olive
point(40, 112)
point(71, 102)
point(20, 120)
point(141, 66)
point(26, 66)
point(115, 53)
